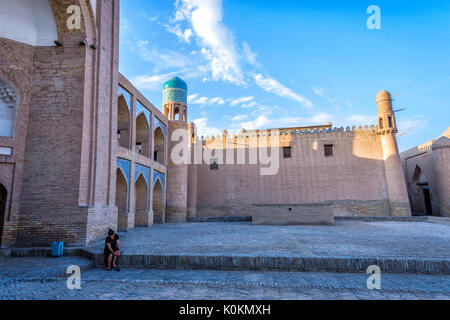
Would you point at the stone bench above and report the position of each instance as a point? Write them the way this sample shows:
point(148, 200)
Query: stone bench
point(293, 214)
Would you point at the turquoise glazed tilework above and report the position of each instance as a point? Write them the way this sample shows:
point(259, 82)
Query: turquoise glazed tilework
point(138, 169)
point(127, 96)
point(125, 166)
point(158, 175)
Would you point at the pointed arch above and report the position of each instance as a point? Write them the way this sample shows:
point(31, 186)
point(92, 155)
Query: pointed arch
point(123, 123)
point(3, 201)
point(8, 108)
point(141, 193)
point(176, 113)
point(142, 135)
point(158, 203)
point(159, 150)
point(122, 199)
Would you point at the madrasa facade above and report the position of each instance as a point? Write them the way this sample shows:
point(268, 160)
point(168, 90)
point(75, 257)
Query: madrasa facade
point(82, 150)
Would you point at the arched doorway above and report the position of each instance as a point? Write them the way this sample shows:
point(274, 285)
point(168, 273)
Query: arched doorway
point(176, 114)
point(421, 202)
point(142, 135)
point(159, 146)
point(3, 200)
point(8, 108)
point(158, 203)
point(141, 204)
point(123, 123)
point(121, 200)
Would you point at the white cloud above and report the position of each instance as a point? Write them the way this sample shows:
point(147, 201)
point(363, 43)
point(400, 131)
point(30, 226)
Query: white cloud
point(182, 35)
point(240, 117)
point(249, 55)
point(164, 59)
point(249, 105)
point(197, 99)
point(273, 86)
point(361, 120)
point(150, 17)
point(334, 101)
point(203, 129)
point(263, 121)
point(154, 82)
point(411, 125)
point(125, 29)
point(241, 100)
point(217, 42)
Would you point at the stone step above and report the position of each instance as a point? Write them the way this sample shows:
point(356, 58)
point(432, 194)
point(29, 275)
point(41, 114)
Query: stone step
point(221, 219)
point(280, 263)
point(40, 268)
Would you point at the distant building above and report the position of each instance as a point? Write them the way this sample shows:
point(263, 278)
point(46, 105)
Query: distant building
point(427, 173)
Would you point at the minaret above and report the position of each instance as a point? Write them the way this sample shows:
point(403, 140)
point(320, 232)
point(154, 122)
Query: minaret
point(175, 93)
point(395, 180)
point(175, 99)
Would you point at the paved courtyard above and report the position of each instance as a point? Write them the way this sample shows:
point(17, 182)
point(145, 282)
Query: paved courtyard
point(44, 278)
point(345, 239)
point(41, 278)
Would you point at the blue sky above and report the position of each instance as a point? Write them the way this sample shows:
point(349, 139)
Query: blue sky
point(268, 64)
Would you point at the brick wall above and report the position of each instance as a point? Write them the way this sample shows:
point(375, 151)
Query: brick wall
point(353, 179)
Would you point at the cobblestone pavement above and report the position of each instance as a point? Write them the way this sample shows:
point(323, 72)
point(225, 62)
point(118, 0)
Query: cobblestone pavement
point(29, 278)
point(345, 239)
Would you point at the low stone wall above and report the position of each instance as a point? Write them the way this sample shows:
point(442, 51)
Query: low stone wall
point(274, 263)
point(293, 214)
point(342, 208)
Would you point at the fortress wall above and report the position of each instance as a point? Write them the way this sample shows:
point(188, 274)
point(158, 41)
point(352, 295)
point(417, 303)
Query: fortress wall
point(353, 179)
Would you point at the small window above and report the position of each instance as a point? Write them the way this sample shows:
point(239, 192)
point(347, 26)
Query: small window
point(287, 152)
point(381, 124)
point(155, 156)
point(214, 165)
point(390, 122)
point(329, 150)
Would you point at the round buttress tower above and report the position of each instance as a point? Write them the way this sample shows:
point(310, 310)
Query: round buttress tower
point(395, 179)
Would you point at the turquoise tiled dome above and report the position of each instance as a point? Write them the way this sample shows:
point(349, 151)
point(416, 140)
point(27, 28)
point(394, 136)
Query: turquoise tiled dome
point(175, 90)
point(175, 82)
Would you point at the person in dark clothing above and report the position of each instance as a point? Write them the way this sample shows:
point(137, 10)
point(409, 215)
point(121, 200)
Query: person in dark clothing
point(112, 250)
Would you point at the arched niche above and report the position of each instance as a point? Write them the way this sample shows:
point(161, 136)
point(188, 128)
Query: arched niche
point(159, 146)
point(3, 201)
point(158, 203)
point(123, 123)
point(141, 204)
point(142, 135)
point(121, 200)
point(28, 21)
